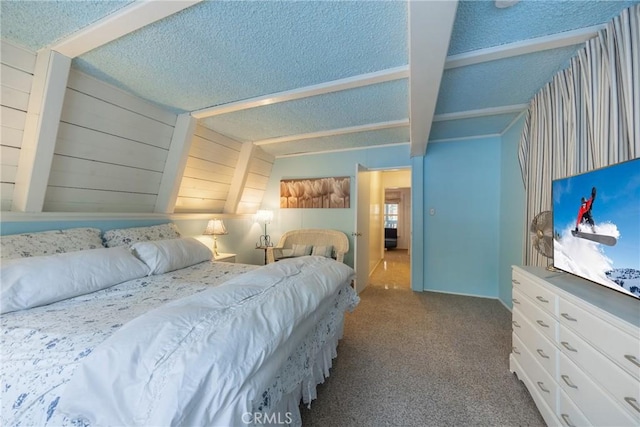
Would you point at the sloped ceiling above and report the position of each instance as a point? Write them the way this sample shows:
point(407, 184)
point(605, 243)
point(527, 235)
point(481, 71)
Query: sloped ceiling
point(311, 76)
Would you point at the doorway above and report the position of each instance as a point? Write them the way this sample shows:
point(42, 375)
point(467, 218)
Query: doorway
point(383, 202)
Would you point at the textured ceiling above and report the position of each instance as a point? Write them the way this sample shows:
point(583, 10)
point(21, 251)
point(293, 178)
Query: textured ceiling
point(371, 104)
point(465, 128)
point(502, 82)
point(356, 140)
point(526, 20)
point(239, 50)
point(38, 24)
point(220, 52)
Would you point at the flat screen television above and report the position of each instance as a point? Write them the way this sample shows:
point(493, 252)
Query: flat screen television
point(596, 223)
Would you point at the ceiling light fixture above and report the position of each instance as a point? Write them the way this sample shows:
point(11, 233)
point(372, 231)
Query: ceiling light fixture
point(503, 4)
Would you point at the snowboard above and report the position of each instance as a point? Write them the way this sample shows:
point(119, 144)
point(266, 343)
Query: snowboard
point(599, 238)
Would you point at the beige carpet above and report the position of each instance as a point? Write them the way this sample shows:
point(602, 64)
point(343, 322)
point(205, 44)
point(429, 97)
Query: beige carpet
point(422, 359)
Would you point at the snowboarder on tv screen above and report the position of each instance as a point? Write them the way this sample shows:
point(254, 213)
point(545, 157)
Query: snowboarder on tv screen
point(584, 213)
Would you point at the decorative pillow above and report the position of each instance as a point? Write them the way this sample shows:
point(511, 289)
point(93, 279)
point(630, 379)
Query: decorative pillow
point(301, 250)
point(35, 281)
point(49, 242)
point(325, 251)
point(129, 236)
point(286, 253)
point(163, 256)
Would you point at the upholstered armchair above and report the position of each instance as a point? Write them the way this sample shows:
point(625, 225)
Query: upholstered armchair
point(310, 241)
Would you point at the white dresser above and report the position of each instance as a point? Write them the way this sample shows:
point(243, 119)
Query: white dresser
point(576, 346)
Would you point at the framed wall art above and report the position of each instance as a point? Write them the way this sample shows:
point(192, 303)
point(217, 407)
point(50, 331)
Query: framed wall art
point(318, 193)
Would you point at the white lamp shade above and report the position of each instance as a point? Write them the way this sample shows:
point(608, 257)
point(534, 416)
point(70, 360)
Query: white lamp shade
point(215, 227)
point(264, 216)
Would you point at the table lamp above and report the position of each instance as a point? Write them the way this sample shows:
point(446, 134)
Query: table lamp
point(215, 227)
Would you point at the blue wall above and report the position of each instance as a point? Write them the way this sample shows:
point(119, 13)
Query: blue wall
point(462, 184)
point(325, 165)
point(512, 208)
point(467, 247)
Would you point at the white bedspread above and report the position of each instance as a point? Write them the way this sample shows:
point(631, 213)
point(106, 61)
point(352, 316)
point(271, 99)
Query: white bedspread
point(40, 348)
point(205, 359)
point(50, 354)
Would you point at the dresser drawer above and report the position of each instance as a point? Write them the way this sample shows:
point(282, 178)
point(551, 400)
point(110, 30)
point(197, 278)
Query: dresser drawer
point(568, 412)
point(542, 383)
point(539, 346)
point(542, 321)
point(623, 387)
point(541, 296)
point(622, 347)
point(599, 408)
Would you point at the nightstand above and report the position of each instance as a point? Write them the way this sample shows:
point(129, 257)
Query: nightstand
point(225, 257)
point(264, 248)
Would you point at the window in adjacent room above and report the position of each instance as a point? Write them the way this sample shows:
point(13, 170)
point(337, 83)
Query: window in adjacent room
point(390, 215)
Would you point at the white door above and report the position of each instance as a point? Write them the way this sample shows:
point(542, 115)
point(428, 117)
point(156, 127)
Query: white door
point(361, 233)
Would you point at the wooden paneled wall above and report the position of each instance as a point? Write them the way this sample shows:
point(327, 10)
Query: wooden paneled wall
point(257, 177)
point(17, 75)
point(110, 151)
point(210, 168)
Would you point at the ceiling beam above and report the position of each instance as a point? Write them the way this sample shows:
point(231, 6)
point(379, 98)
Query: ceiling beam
point(430, 25)
point(335, 132)
point(466, 138)
point(40, 130)
point(239, 179)
point(483, 112)
point(538, 44)
point(382, 76)
point(175, 164)
point(120, 23)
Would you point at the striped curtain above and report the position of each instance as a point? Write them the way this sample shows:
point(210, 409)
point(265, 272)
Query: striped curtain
point(586, 118)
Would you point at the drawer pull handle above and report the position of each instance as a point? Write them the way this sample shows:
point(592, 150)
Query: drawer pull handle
point(515, 301)
point(566, 316)
point(633, 402)
point(568, 381)
point(515, 350)
point(631, 358)
point(515, 281)
point(541, 323)
point(567, 420)
point(541, 385)
point(541, 353)
point(568, 346)
point(515, 324)
point(539, 298)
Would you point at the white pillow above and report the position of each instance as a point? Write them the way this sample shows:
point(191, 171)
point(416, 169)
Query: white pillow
point(162, 256)
point(301, 250)
point(35, 281)
point(325, 251)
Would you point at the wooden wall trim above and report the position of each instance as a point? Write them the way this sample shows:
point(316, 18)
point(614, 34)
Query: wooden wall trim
point(41, 129)
point(239, 178)
point(176, 163)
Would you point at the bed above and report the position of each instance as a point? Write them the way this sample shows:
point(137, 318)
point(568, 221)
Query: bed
point(179, 343)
